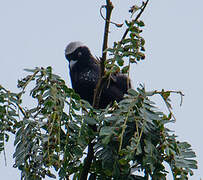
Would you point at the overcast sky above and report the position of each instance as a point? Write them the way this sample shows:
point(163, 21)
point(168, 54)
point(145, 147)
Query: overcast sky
point(35, 33)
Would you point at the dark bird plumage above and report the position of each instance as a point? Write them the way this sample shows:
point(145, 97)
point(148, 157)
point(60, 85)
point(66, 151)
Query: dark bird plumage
point(85, 71)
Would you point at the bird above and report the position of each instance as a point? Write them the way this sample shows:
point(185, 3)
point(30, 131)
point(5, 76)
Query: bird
point(85, 73)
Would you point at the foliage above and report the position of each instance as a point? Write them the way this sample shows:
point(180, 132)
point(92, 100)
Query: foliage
point(132, 135)
point(128, 137)
point(8, 115)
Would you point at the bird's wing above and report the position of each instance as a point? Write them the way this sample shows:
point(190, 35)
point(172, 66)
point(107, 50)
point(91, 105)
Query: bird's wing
point(97, 60)
point(121, 81)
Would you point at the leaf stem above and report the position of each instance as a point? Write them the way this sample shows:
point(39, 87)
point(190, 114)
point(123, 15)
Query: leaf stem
point(123, 130)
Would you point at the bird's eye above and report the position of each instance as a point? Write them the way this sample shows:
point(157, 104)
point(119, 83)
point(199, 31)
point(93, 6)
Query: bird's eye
point(79, 54)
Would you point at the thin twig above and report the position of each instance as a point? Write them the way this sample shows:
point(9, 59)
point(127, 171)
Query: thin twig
point(123, 130)
point(4, 153)
point(21, 110)
point(116, 24)
point(177, 92)
point(30, 79)
point(137, 17)
point(165, 100)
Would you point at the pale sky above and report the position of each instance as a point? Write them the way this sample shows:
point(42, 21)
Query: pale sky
point(35, 33)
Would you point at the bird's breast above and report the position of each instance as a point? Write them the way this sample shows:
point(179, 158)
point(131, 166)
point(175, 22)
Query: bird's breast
point(88, 76)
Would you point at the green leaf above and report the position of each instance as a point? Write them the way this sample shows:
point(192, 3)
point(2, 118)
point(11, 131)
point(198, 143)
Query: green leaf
point(90, 120)
point(76, 96)
point(123, 162)
point(31, 70)
point(105, 131)
point(125, 69)
point(132, 92)
point(119, 60)
point(106, 139)
point(140, 23)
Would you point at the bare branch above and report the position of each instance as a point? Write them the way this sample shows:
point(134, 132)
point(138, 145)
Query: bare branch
point(99, 87)
point(109, 8)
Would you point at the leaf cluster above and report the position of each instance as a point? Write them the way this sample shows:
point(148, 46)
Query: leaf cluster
point(131, 135)
point(8, 115)
point(131, 47)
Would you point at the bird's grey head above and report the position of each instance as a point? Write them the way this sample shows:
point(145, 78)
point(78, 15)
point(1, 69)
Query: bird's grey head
point(71, 47)
point(77, 52)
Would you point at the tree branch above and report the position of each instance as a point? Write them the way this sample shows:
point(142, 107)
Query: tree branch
point(99, 87)
point(87, 162)
point(137, 17)
point(109, 8)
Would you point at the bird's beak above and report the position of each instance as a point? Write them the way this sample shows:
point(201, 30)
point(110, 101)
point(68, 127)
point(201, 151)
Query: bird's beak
point(72, 63)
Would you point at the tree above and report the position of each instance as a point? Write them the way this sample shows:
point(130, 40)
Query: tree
point(56, 132)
